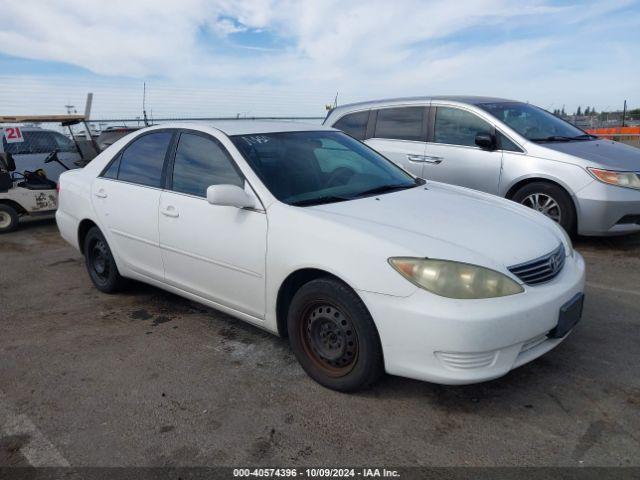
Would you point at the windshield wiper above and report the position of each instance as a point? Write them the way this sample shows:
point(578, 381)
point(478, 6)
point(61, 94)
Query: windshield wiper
point(319, 201)
point(553, 138)
point(561, 138)
point(385, 189)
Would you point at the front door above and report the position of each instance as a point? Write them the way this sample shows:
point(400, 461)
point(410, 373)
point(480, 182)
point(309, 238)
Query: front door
point(126, 197)
point(453, 156)
point(212, 251)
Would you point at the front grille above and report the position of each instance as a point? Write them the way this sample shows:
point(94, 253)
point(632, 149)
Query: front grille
point(541, 269)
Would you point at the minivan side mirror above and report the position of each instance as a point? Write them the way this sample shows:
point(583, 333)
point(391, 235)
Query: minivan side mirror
point(229, 196)
point(486, 141)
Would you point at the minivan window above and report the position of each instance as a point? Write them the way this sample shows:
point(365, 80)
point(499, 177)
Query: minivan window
point(354, 124)
point(534, 123)
point(454, 126)
point(63, 144)
point(201, 162)
point(504, 143)
point(403, 123)
point(143, 159)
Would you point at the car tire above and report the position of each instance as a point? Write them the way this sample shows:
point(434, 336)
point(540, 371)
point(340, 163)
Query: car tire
point(100, 263)
point(550, 200)
point(8, 218)
point(333, 336)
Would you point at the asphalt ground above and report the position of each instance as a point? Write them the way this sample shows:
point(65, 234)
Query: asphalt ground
point(146, 378)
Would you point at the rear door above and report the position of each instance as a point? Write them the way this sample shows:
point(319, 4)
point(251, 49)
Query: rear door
point(452, 155)
point(213, 251)
point(399, 133)
point(126, 197)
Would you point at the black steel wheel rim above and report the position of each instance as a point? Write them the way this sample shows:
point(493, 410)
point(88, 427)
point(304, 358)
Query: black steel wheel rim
point(100, 261)
point(329, 339)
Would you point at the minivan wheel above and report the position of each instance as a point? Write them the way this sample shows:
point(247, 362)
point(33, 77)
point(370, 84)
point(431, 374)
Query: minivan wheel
point(8, 219)
point(550, 200)
point(333, 336)
point(100, 263)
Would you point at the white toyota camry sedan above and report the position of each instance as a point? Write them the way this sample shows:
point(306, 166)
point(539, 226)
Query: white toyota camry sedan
point(308, 233)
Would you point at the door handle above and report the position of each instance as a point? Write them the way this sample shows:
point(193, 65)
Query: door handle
point(434, 160)
point(101, 194)
point(416, 158)
point(170, 212)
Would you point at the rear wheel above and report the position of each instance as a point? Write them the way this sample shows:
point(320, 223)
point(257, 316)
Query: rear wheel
point(8, 218)
point(100, 263)
point(550, 200)
point(333, 336)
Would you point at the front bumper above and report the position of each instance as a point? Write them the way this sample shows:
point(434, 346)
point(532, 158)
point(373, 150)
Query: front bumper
point(606, 209)
point(448, 341)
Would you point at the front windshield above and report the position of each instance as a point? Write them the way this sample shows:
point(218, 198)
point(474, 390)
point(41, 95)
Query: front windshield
point(311, 168)
point(534, 123)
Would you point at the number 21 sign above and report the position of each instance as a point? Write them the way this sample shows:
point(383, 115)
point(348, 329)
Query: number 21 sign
point(13, 135)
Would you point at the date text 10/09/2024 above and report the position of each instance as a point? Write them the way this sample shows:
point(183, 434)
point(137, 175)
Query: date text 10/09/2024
point(316, 472)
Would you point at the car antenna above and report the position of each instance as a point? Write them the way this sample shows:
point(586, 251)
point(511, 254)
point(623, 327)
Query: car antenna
point(144, 100)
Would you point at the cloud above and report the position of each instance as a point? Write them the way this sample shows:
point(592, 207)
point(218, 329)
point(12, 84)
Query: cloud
point(539, 51)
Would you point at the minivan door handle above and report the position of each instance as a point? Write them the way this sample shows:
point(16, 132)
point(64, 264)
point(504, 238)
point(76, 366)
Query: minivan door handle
point(416, 158)
point(434, 160)
point(170, 211)
point(101, 194)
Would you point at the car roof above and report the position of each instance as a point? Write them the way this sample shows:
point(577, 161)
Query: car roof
point(469, 99)
point(244, 127)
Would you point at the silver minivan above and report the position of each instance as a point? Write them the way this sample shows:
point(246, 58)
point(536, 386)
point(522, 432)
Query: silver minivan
point(508, 148)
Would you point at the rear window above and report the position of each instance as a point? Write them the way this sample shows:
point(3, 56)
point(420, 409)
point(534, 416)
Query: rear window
point(405, 123)
point(354, 124)
point(34, 142)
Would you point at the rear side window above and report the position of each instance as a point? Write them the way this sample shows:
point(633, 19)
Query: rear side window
point(458, 127)
point(63, 144)
point(201, 162)
point(354, 124)
point(400, 123)
point(142, 161)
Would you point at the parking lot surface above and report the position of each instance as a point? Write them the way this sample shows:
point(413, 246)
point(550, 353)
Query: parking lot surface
point(148, 378)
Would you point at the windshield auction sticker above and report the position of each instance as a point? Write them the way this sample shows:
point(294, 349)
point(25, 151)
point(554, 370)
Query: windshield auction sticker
point(13, 135)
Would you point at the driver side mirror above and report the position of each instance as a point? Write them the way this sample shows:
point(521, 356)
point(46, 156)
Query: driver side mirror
point(7, 161)
point(486, 141)
point(229, 196)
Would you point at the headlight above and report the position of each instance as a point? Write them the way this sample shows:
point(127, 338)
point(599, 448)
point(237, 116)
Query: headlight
point(455, 279)
point(567, 239)
point(621, 179)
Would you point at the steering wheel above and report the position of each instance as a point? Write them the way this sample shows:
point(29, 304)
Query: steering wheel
point(52, 157)
point(340, 176)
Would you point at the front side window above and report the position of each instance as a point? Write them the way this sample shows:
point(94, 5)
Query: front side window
point(534, 123)
point(354, 124)
point(143, 160)
point(403, 123)
point(201, 162)
point(310, 168)
point(455, 126)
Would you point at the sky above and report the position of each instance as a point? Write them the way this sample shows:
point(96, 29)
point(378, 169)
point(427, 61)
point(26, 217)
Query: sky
point(208, 58)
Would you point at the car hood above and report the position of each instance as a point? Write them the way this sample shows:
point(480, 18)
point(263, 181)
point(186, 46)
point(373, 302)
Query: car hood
point(604, 153)
point(449, 222)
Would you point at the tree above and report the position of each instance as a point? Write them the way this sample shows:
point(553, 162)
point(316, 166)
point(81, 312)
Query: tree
point(587, 111)
point(563, 113)
point(579, 111)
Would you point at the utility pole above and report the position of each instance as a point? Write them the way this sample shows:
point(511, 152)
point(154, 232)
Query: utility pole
point(624, 113)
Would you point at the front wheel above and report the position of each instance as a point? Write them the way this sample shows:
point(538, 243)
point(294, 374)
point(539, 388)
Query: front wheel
point(550, 200)
point(100, 263)
point(8, 219)
point(333, 336)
